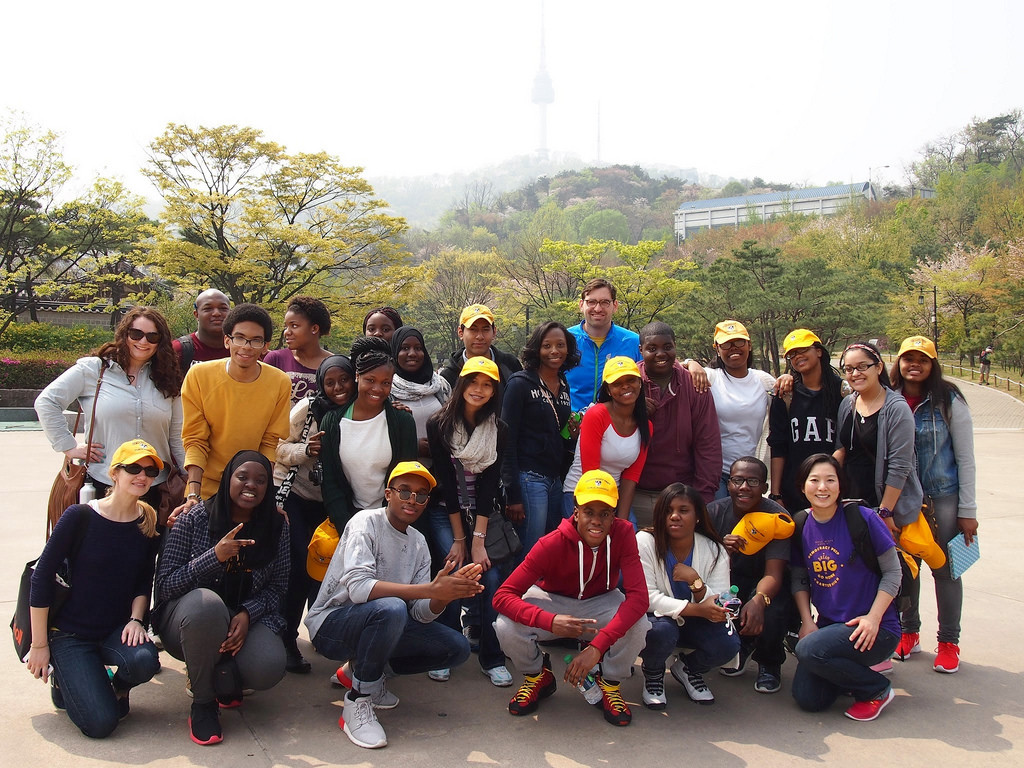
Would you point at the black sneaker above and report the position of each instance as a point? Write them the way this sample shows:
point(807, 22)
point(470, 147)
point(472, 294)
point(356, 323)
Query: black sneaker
point(741, 662)
point(204, 724)
point(56, 696)
point(769, 678)
point(472, 633)
point(789, 642)
point(123, 707)
point(294, 661)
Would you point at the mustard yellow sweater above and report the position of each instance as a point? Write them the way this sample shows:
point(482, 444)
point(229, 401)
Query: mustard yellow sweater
point(223, 416)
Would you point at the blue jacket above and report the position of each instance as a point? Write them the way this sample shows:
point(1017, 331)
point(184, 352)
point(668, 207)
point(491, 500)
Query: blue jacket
point(585, 379)
point(945, 453)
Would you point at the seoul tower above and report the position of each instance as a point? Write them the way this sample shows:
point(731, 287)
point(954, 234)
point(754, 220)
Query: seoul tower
point(543, 94)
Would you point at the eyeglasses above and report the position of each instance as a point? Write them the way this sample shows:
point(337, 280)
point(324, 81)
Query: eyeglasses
point(594, 303)
point(241, 341)
point(733, 344)
point(739, 482)
point(860, 367)
point(794, 352)
point(405, 495)
point(153, 337)
point(134, 469)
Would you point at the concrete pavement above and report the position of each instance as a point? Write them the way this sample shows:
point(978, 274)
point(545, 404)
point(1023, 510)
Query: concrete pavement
point(975, 717)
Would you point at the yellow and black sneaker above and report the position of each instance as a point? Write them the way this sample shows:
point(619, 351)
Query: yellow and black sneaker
point(616, 711)
point(533, 689)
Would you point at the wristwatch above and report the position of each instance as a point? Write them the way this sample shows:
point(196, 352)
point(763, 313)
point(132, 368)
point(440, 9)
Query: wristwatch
point(884, 513)
point(775, 496)
point(697, 584)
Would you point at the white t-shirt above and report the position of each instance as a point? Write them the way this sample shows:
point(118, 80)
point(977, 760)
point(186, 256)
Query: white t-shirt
point(742, 405)
point(365, 453)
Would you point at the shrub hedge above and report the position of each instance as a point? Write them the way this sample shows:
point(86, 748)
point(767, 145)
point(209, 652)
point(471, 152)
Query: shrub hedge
point(30, 372)
point(75, 340)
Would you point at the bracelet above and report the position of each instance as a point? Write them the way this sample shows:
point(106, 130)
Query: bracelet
point(775, 496)
point(138, 620)
point(479, 535)
point(192, 496)
point(767, 600)
point(307, 451)
point(44, 645)
point(195, 482)
point(462, 539)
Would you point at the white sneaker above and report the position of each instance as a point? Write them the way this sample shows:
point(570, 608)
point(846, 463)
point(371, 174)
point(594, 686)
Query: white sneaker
point(359, 722)
point(440, 675)
point(693, 683)
point(654, 691)
point(500, 676)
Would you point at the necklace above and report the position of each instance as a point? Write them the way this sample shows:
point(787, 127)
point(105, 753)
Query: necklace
point(870, 406)
point(131, 378)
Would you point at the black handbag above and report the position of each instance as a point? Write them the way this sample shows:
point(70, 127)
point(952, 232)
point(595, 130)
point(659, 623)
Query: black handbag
point(502, 542)
point(21, 624)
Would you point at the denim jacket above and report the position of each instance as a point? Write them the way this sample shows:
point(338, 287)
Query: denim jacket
point(945, 452)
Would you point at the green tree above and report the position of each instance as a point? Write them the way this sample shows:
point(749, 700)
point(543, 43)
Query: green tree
point(605, 225)
point(263, 225)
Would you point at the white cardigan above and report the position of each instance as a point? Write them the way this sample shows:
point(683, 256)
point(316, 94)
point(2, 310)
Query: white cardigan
point(659, 588)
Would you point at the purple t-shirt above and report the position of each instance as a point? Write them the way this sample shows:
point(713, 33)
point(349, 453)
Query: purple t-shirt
point(842, 586)
point(303, 378)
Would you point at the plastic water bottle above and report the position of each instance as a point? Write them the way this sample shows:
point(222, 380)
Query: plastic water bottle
point(588, 685)
point(88, 492)
point(730, 600)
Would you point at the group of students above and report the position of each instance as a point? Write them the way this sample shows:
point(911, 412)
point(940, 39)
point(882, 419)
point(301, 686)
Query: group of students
point(592, 433)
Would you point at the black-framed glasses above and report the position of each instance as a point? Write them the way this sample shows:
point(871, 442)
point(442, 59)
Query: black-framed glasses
point(153, 337)
point(405, 495)
point(859, 367)
point(734, 344)
point(794, 352)
point(241, 341)
point(134, 469)
point(739, 482)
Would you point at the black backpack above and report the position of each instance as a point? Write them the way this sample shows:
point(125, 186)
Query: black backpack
point(188, 352)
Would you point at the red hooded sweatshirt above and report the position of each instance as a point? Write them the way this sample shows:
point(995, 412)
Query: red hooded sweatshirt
point(561, 563)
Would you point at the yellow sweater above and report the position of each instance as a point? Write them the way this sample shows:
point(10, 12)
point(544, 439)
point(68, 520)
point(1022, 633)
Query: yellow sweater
point(223, 416)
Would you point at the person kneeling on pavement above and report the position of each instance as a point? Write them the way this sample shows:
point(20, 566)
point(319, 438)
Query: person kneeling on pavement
point(377, 605)
point(686, 568)
point(579, 565)
point(758, 567)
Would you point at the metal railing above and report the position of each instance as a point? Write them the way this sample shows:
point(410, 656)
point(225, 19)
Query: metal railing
point(974, 374)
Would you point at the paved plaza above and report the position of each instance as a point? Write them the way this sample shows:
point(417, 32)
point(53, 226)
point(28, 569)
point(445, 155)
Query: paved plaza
point(972, 718)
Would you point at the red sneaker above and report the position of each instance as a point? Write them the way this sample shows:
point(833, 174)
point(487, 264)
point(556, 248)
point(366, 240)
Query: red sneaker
point(948, 658)
point(869, 710)
point(910, 642)
point(616, 711)
point(533, 689)
point(341, 677)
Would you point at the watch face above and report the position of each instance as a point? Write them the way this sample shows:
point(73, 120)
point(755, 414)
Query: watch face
point(697, 584)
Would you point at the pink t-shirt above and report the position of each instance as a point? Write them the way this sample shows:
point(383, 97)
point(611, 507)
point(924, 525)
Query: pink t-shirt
point(303, 378)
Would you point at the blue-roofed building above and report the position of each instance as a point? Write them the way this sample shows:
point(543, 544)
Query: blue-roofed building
point(735, 211)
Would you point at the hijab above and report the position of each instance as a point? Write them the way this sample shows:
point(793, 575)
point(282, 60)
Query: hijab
point(426, 371)
point(320, 403)
point(266, 523)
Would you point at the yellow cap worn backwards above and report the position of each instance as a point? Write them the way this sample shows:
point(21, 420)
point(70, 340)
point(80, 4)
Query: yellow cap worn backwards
point(412, 468)
point(597, 485)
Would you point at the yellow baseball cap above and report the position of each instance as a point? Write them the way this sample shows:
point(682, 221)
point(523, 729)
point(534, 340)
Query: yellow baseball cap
point(412, 468)
point(597, 485)
point(474, 312)
point(617, 367)
point(918, 344)
point(132, 451)
point(483, 365)
point(759, 528)
point(801, 338)
point(730, 329)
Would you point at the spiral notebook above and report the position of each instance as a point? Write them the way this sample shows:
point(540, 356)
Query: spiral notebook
point(961, 556)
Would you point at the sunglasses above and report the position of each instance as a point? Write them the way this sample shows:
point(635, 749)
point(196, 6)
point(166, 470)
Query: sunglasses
point(134, 469)
point(405, 495)
point(153, 337)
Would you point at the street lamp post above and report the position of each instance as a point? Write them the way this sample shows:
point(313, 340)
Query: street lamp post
point(935, 311)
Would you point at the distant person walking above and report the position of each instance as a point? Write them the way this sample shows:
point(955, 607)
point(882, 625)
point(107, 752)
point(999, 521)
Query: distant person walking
point(986, 364)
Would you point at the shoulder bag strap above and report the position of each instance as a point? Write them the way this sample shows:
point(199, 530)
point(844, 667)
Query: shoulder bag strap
point(92, 416)
point(464, 504)
point(286, 484)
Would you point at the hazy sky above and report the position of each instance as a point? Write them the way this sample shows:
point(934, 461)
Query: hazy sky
point(802, 92)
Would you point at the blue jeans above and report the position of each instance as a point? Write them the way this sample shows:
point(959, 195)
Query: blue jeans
point(480, 609)
point(712, 644)
point(723, 488)
point(828, 666)
point(373, 634)
point(80, 668)
point(542, 500)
